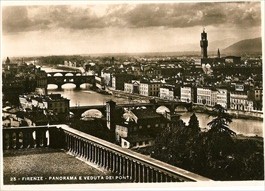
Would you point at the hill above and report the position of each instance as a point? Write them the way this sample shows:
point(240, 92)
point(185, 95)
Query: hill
point(248, 46)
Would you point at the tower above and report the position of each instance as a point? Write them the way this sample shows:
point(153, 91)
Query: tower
point(110, 114)
point(218, 53)
point(204, 44)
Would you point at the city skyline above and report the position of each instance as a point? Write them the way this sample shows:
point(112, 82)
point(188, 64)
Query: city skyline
point(125, 27)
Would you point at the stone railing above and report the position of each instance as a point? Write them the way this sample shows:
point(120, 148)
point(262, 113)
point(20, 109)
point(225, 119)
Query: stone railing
point(103, 154)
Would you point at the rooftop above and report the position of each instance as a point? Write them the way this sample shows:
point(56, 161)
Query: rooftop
point(146, 113)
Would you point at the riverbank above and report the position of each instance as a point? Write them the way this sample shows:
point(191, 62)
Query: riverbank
point(234, 114)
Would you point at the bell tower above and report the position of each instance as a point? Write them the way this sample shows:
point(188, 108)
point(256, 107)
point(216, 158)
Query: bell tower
point(204, 44)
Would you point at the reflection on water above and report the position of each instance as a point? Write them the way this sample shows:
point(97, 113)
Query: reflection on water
point(240, 126)
point(87, 97)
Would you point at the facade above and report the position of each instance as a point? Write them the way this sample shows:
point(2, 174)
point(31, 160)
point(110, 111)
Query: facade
point(167, 93)
point(149, 88)
point(223, 98)
point(239, 101)
point(118, 80)
point(132, 87)
point(258, 94)
point(187, 94)
point(139, 128)
point(204, 96)
point(54, 103)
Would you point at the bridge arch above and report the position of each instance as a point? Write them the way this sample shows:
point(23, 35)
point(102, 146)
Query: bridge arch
point(68, 85)
point(162, 109)
point(58, 74)
point(69, 74)
point(181, 108)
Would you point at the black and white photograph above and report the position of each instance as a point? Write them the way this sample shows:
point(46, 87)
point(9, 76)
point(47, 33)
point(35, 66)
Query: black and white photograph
point(132, 94)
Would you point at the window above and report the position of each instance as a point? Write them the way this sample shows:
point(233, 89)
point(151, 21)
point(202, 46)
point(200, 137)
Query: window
point(148, 126)
point(125, 143)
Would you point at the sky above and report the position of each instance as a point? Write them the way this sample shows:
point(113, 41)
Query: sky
point(124, 27)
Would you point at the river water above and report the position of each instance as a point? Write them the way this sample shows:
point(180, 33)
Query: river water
point(84, 96)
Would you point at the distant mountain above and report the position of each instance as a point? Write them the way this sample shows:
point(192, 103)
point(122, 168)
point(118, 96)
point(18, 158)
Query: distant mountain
point(221, 44)
point(248, 46)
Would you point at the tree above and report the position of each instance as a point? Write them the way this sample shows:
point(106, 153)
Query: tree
point(194, 123)
point(220, 123)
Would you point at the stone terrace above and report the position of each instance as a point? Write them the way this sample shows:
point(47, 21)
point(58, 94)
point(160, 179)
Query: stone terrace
point(51, 166)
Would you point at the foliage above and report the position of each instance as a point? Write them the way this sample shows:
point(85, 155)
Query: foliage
point(220, 123)
point(214, 154)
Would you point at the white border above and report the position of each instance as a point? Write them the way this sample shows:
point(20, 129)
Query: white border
point(217, 185)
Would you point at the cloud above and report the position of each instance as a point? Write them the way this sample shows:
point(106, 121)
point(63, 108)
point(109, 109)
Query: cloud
point(177, 15)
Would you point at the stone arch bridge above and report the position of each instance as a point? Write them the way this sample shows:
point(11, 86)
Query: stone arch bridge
point(79, 110)
point(77, 78)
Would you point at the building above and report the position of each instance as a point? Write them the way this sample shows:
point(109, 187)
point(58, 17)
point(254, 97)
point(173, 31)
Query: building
point(223, 98)
point(139, 128)
point(132, 87)
point(240, 101)
point(52, 103)
point(149, 88)
point(204, 96)
point(188, 94)
point(118, 80)
point(204, 44)
point(167, 92)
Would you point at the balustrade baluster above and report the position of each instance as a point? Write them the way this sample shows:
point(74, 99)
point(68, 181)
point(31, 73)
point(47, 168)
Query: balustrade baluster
point(37, 134)
point(162, 177)
point(100, 156)
point(120, 165)
point(125, 167)
point(131, 169)
point(17, 140)
point(151, 178)
point(11, 140)
point(97, 155)
point(89, 151)
point(103, 158)
point(140, 173)
point(147, 174)
point(113, 162)
point(157, 176)
point(71, 143)
point(45, 139)
point(143, 173)
point(5, 141)
point(85, 149)
point(107, 159)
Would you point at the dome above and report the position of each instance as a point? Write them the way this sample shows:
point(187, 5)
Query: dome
point(92, 113)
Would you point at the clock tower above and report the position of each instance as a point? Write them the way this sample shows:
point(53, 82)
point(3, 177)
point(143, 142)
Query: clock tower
point(204, 44)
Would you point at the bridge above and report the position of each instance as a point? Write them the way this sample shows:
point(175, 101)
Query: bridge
point(171, 105)
point(100, 153)
point(77, 78)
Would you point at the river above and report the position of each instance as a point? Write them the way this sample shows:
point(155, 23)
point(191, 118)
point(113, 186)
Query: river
point(84, 96)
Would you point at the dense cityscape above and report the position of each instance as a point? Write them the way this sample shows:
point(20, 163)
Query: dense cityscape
point(143, 117)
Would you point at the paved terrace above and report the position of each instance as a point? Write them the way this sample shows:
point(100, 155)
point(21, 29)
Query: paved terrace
point(51, 166)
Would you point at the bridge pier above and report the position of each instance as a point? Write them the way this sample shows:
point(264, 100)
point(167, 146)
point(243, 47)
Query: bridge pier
point(59, 86)
point(77, 86)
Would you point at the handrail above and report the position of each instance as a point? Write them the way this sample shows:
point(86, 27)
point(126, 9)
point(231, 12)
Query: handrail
point(162, 165)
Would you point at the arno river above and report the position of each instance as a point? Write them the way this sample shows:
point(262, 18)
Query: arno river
point(84, 96)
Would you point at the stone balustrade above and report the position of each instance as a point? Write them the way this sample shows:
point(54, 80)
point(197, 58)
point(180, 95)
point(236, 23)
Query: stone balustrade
point(103, 154)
